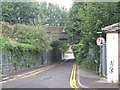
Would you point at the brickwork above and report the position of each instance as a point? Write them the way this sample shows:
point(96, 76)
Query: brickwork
point(58, 32)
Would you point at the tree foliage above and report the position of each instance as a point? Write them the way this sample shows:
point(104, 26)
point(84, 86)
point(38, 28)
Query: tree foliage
point(22, 29)
point(63, 45)
point(55, 15)
point(25, 12)
point(25, 42)
point(85, 20)
point(19, 12)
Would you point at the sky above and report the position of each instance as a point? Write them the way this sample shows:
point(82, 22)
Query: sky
point(62, 3)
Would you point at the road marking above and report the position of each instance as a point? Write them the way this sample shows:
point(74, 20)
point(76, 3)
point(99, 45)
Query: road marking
point(78, 78)
point(34, 73)
point(39, 71)
point(5, 78)
point(73, 77)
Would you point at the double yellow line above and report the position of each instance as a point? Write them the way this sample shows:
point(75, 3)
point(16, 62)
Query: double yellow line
point(73, 77)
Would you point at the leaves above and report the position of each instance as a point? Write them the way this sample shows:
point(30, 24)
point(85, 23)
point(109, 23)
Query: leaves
point(25, 12)
point(85, 20)
point(27, 36)
point(63, 45)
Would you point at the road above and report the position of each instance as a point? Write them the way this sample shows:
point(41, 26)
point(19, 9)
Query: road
point(57, 77)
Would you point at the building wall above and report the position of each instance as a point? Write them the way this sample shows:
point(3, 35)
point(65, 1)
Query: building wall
point(112, 57)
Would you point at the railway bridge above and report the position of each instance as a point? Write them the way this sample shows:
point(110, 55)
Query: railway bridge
point(55, 54)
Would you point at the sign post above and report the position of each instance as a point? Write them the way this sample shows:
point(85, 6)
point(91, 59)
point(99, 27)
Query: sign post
point(100, 42)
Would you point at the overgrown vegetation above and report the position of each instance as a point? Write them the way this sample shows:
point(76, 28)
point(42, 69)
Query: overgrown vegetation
point(23, 40)
point(25, 37)
point(85, 20)
point(23, 32)
point(63, 45)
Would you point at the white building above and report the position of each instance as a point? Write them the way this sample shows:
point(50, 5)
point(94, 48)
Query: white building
point(113, 52)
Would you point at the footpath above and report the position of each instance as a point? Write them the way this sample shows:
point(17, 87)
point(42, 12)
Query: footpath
point(89, 79)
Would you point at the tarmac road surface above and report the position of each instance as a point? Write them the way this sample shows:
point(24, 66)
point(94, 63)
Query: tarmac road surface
point(57, 77)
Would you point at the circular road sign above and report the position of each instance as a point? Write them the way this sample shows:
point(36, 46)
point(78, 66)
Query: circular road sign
point(100, 41)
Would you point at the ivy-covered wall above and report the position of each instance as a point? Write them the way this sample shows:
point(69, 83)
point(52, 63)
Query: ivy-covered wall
point(15, 60)
point(24, 46)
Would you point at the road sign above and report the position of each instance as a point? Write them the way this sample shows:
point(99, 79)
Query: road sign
point(100, 41)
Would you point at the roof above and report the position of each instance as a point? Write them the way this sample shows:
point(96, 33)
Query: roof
point(112, 28)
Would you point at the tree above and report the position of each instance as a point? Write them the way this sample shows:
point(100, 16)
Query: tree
point(56, 16)
point(85, 19)
point(25, 12)
point(19, 12)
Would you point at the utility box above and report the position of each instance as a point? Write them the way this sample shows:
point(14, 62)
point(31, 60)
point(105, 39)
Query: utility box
point(113, 52)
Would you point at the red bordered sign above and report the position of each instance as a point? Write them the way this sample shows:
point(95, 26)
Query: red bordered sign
point(100, 41)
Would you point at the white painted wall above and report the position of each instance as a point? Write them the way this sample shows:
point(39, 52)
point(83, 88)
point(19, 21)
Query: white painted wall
point(112, 57)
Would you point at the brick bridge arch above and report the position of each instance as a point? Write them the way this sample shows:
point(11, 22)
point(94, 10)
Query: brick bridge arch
point(55, 54)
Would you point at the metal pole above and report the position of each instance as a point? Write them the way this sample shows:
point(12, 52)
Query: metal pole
point(100, 66)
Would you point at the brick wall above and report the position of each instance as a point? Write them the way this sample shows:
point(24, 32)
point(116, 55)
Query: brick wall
point(56, 31)
point(53, 29)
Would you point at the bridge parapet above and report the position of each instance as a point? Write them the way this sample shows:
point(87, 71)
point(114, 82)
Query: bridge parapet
point(58, 32)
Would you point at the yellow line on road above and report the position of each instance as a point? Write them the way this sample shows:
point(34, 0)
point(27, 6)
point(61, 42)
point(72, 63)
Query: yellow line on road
point(34, 73)
point(37, 72)
point(73, 78)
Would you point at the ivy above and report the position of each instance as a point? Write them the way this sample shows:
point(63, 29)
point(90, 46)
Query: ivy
point(24, 42)
point(26, 37)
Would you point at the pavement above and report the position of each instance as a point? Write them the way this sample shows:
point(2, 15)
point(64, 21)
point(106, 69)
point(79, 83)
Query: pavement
point(89, 79)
